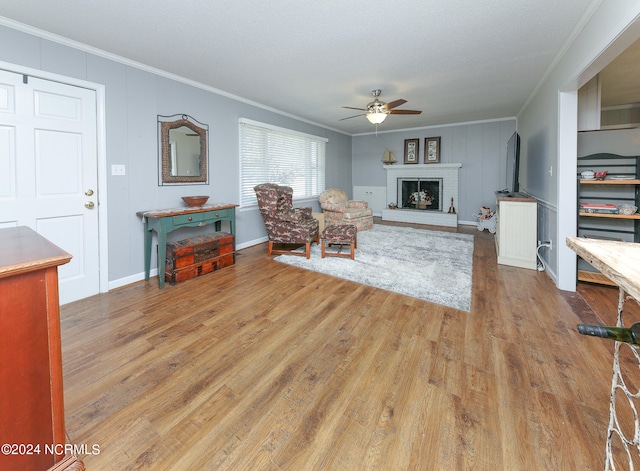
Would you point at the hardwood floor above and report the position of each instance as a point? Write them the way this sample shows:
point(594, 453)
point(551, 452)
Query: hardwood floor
point(264, 366)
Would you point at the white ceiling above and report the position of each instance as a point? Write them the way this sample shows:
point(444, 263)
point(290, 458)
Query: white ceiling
point(456, 60)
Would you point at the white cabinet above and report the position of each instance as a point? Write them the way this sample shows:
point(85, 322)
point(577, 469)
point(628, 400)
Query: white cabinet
point(516, 230)
point(589, 105)
point(376, 196)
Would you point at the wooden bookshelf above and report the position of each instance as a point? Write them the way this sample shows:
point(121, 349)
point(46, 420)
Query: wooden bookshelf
point(594, 277)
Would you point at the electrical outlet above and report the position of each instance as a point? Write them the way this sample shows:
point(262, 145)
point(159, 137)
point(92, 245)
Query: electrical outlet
point(118, 170)
point(551, 171)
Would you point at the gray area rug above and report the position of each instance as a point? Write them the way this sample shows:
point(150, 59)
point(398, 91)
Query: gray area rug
point(430, 265)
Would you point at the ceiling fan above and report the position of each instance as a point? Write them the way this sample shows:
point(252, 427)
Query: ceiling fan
point(377, 111)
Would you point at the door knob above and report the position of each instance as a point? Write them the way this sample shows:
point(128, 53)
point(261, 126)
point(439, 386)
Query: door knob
point(89, 192)
point(89, 205)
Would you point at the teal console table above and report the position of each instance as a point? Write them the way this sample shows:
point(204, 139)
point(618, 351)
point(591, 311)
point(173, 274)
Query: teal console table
point(163, 221)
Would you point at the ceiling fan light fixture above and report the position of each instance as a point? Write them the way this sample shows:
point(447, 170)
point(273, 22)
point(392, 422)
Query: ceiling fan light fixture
point(376, 117)
point(376, 111)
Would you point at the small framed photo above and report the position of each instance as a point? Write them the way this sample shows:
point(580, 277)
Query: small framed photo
point(432, 150)
point(411, 151)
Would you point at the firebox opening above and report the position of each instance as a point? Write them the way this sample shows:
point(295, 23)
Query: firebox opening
point(423, 194)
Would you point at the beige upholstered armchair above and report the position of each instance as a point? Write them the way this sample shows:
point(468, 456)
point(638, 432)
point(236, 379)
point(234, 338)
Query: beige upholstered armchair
point(340, 210)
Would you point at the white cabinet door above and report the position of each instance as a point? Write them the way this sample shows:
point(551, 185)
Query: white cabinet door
point(517, 234)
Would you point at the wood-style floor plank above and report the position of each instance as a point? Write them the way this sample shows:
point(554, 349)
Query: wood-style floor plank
point(264, 366)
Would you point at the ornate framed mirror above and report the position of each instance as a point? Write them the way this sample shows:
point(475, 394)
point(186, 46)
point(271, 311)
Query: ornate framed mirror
point(183, 150)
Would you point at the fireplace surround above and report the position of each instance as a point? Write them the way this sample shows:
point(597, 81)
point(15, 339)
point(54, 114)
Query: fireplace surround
point(446, 175)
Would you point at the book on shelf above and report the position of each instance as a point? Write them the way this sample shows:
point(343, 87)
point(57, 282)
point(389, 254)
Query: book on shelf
point(598, 208)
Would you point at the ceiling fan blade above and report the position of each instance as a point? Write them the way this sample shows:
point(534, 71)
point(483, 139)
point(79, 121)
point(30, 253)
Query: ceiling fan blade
point(393, 104)
point(405, 112)
point(355, 116)
point(352, 108)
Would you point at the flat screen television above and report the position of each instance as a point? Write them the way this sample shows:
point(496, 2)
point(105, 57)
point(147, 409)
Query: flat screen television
point(513, 163)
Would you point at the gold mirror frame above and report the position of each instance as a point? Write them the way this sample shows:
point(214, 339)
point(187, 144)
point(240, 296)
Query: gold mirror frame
point(165, 125)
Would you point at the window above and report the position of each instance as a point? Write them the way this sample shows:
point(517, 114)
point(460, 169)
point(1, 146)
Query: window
point(269, 154)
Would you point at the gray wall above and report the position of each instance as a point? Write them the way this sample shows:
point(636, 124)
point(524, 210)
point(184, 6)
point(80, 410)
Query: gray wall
point(480, 147)
point(134, 98)
point(548, 128)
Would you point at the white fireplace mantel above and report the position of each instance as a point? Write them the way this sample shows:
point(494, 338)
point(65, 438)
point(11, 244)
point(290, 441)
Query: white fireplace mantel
point(413, 167)
point(449, 175)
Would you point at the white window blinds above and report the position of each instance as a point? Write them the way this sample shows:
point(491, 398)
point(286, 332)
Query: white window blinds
point(269, 154)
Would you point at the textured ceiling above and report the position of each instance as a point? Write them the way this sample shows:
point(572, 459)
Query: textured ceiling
point(456, 60)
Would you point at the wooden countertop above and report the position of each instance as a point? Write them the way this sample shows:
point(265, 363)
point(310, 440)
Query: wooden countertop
point(521, 197)
point(161, 213)
point(619, 261)
point(22, 250)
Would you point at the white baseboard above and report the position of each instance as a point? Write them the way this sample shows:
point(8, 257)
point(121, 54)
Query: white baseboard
point(127, 280)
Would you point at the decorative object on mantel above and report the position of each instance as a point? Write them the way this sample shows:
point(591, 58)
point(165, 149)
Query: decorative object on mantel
point(411, 151)
point(434, 266)
point(388, 157)
point(452, 209)
point(432, 150)
point(392, 206)
point(194, 201)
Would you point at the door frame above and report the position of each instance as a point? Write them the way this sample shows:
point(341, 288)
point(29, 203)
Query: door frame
point(567, 146)
point(101, 150)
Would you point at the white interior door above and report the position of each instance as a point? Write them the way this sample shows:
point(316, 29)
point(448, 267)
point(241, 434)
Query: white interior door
point(48, 176)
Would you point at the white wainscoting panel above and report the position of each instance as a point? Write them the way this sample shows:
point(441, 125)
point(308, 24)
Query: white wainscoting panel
point(376, 196)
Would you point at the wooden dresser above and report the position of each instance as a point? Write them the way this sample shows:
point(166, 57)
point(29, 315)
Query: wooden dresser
point(32, 431)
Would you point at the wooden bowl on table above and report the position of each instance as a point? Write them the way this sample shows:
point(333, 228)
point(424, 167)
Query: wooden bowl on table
point(195, 200)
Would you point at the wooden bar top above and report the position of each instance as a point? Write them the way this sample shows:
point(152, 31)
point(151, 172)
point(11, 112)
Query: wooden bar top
point(161, 213)
point(500, 196)
point(619, 261)
point(22, 250)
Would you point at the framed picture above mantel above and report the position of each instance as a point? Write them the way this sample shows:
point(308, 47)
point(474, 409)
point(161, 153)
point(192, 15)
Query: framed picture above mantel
point(431, 150)
point(411, 151)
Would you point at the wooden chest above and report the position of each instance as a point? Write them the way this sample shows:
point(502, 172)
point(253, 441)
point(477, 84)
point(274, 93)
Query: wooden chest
point(189, 258)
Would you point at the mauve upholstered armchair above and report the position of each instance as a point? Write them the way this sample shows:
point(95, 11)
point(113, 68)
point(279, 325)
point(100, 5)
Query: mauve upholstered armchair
point(284, 224)
point(340, 210)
